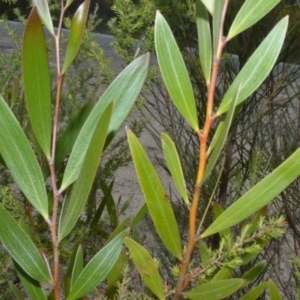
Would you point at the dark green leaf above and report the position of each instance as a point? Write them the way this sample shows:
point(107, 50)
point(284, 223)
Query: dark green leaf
point(15, 291)
point(73, 206)
point(21, 248)
point(254, 272)
point(32, 287)
point(21, 161)
point(255, 292)
point(36, 79)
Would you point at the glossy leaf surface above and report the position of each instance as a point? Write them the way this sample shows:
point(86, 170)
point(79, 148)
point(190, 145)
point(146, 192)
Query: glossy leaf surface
point(97, 269)
point(174, 71)
point(250, 13)
point(156, 198)
point(174, 165)
point(21, 248)
point(32, 287)
point(258, 196)
point(215, 290)
point(147, 267)
point(204, 40)
point(257, 68)
point(36, 79)
point(124, 91)
point(21, 161)
point(44, 13)
point(76, 33)
point(74, 205)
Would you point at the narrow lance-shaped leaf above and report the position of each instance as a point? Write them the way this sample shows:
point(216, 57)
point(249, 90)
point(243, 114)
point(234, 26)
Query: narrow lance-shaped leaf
point(15, 291)
point(76, 33)
point(204, 40)
point(32, 287)
point(258, 66)
point(78, 265)
point(210, 5)
point(44, 13)
point(73, 206)
point(254, 272)
point(250, 13)
point(174, 165)
point(174, 72)
point(21, 161)
point(147, 267)
point(215, 290)
point(124, 91)
point(274, 294)
point(36, 79)
point(258, 196)
point(217, 24)
point(98, 268)
point(21, 248)
point(255, 292)
point(156, 198)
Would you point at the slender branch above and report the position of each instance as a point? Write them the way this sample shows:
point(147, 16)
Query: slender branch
point(203, 137)
point(51, 162)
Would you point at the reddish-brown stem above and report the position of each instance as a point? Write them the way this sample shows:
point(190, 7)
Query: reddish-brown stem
point(56, 194)
point(203, 137)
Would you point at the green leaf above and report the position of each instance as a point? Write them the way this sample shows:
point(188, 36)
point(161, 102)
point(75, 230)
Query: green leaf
point(217, 24)
point(274, 294)
point(156, 198)
point(250, 13)
point(139, 216)
point(204, 40)
point(258, 196)
point(218, 211)
point(219, 138)
point(21, 161)
point(66, 142)
point(124, 91)
point(223, 273)
point(36, 79)
point(116, 275)
point(32, 287)
point(258, 66)
point(255, 292)
point(147, 267)
point(254, 272)
point(215, 290)
point(76, 33)
point(44, 13)
point(73, 206)
point(68, 276)
point(174, 165)
point(78, 265)
point(15, 291)
point(210, 5)
point(204, 254)
point(21, 248)
point(174, 72)
point(98, 268)
point(118, 230)
point(69, 2)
